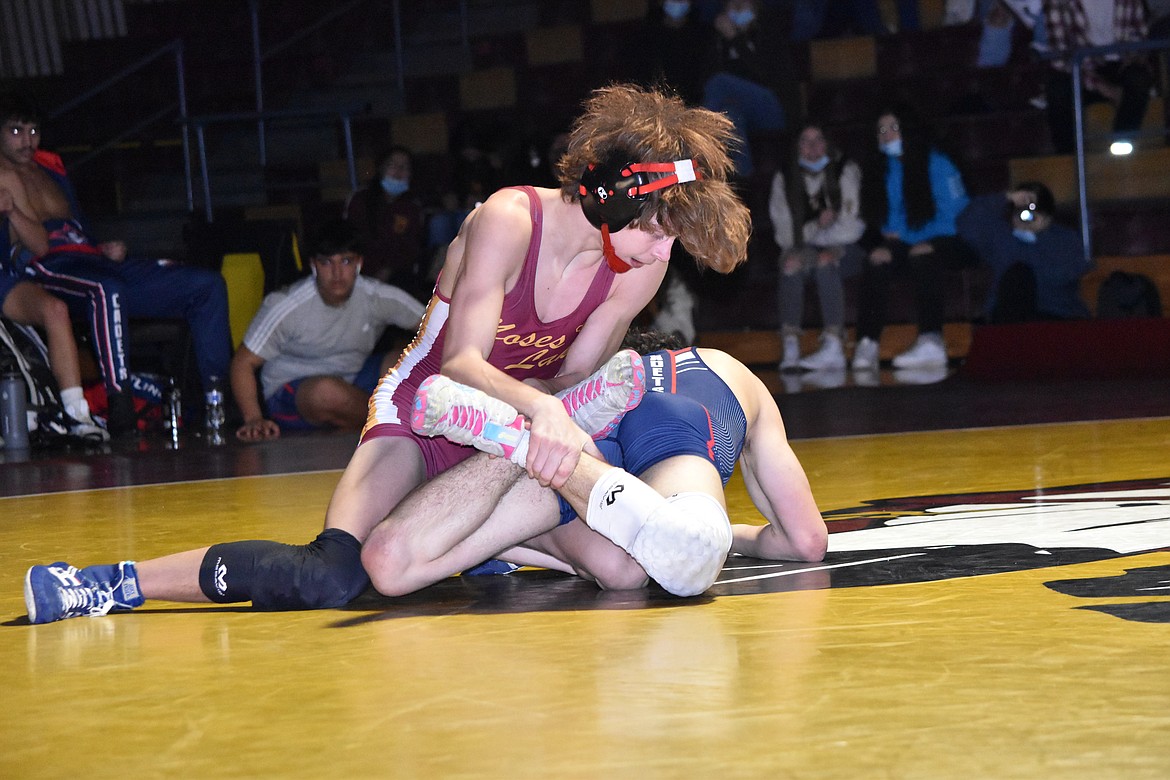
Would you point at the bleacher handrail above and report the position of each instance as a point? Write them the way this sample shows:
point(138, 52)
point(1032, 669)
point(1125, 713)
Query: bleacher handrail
point(1076, 58)
point(343, 113)
point(175, 48)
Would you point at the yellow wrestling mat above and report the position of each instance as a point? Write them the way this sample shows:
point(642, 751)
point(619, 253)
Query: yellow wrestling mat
point(970, 621)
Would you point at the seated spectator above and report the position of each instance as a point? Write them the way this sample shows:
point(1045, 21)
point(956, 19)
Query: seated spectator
point(1123, 80)
point(390, 218)
point(815, 209)
point(313, 342)
point(679, 48)
point(26, 303)
point(912, 195)
point(1037, 263)
point(100, 281)
point(750, 75)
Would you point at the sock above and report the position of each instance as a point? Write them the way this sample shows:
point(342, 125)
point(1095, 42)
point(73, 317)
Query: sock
point(619, 505)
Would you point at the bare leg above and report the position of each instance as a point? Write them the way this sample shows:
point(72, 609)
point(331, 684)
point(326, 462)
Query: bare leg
point(172, 577)
point(576, 548)
point(379, 473)
point(30, 304)
point(460, 518)
point(331, 402)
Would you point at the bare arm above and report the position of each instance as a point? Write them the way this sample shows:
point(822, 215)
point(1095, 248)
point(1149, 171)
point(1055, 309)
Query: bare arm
point(245, 364)
point(496, 241)
point(779, 488)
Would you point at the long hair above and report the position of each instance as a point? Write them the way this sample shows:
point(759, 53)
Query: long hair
point(794, 175)
point(706, 215)
point(918, 140)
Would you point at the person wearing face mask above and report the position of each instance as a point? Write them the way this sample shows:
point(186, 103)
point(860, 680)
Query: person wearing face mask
point(390, 220)
point(678, 49)
point(753, 80)
point(912, 197)
point(1036, 263)
point(816, 222)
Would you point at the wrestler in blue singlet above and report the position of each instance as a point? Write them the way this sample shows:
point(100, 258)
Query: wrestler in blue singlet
point(688, 410)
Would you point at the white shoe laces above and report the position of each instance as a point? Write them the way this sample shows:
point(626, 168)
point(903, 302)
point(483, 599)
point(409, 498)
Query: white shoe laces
point(85, 601)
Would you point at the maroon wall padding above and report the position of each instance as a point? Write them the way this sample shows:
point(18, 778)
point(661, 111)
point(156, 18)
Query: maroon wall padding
point(1081, 349)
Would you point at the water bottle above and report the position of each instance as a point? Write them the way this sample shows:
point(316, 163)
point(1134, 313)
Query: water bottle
point(214, 412)
point(14, 412)
point(173, 421)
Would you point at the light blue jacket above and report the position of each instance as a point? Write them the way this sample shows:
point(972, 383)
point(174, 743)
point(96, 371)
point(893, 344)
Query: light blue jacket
point(950, 198)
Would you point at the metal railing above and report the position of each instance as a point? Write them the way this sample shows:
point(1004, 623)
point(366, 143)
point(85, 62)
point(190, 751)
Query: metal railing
point(260, 116)
point(175, 49)
point(1077, 59)
point(200, 123)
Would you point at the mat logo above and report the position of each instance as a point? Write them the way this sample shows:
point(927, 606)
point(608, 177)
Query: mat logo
point(926, 538)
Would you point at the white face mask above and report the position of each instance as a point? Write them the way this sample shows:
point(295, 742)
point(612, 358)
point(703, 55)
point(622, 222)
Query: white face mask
point(815, 166)
point(892, 148)
point(676, 9)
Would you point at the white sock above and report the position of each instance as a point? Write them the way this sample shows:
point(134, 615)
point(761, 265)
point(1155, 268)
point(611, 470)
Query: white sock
point(619, 505)
point(75, 404)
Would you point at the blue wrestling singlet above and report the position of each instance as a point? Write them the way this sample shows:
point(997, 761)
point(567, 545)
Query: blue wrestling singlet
point(688, 410)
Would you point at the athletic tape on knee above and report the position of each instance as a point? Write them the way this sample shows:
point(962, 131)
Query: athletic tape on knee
point(684, 543)
point(619, 505)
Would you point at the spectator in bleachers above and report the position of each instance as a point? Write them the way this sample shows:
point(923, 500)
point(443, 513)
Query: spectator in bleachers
point(100, 281)
point(751, 76)
point(313, 343)
point(679, 48)
point(1123, 80)
point(912, 194)
point(390, 218)
point(815, 206)
point(1036, 263)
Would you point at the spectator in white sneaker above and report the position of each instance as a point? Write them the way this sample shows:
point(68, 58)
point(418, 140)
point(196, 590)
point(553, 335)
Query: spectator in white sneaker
point(816, 221)
point(913, 194)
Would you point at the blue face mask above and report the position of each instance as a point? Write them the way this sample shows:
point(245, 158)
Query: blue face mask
point(742, 18)
point(815, 166)
point(676, 9)
point(394, 187)
point(1027, 236)
point(892, 148)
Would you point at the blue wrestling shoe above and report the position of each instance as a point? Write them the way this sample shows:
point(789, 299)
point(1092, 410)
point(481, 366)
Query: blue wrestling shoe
point(491, 566)
point(60, 591)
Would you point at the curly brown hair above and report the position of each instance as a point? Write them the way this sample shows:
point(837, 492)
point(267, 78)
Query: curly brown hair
point(710, 220)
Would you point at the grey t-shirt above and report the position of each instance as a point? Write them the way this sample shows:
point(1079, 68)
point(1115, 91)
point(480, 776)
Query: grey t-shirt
point(299, 335)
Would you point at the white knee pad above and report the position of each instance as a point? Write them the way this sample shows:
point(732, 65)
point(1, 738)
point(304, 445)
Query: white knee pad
point(684, 543)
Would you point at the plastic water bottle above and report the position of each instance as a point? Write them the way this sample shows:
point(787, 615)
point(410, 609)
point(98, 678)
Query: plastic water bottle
point(14, 411)
point(214, 412)
point(173, 421)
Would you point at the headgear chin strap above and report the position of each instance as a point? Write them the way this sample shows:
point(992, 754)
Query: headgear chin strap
point(615, 263)
point(614, 191)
